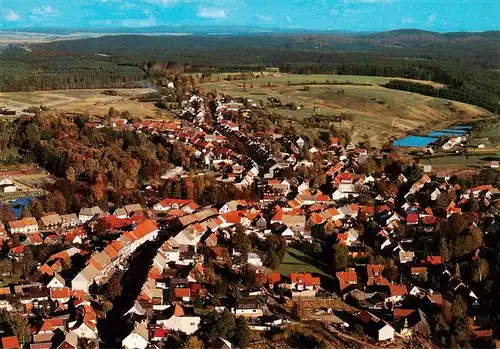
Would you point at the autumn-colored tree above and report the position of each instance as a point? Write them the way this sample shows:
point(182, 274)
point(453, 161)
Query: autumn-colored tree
point(340, 256)
point(36, 208)
point(193, 342)
point(6, 214)
point(99, 188)
point(480, 271)
point(189, 189)
point(71, 174)
point(26, 212)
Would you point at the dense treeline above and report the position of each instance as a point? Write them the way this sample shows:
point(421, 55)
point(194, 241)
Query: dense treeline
point(101, 165)
point(25, 71)
point(464, 84)
point(463, 61)
point(467, 93)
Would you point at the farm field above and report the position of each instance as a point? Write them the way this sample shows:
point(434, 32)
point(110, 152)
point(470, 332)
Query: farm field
point(460, 161)
point(296, 261)
point(83, 101)
point(279, 78)
point(374, 112)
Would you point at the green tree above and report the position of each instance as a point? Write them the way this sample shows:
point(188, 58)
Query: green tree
point(272, 260)
point(107, 306)
point(26, 212)
point(458, 308)
point(340, 256)
point(193, 342)
point(36, 208)
point(481, 270)
point(241, 335)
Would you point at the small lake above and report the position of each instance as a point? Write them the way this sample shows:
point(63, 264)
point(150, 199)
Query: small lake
point(414, 141)
point(18, 204)
point(423, 141)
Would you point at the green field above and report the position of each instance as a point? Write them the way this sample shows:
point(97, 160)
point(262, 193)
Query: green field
point(319, 79)
point(455, 161)
point(296, 261)
point(374, 112)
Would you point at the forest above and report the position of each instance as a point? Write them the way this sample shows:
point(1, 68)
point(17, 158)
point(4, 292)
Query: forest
point(96, 166)
point(465, 62)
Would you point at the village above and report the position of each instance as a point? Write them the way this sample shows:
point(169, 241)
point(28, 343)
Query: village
point(393, 253)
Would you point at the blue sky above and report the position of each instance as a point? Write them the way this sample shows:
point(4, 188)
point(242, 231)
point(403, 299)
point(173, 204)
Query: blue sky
point(355, 15)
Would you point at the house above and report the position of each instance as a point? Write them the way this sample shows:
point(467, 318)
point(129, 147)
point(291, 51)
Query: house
point(10, 342)
point(296, 223)
point(57, 281)
point(415, 322)
point(247, 307)
point(170, 204)
point(346, 279)
point(376, 328)
point(304, 281)
point(179, 321)
point(85, 329)
point(84, 279)
point(70, 342)
point(138, 338)
point(70, 221)
point(23, 226)
point(50, 222)
point(86, 214)
point(396, 293)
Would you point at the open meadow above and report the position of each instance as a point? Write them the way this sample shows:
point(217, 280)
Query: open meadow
point(90, 101)
point(296, 261)
point(374, 112)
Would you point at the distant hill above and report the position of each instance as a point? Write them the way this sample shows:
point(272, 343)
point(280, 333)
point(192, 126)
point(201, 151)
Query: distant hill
point(474, 48)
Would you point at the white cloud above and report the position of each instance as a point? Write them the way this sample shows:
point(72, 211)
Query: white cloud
point(10, 16)
point(211, 13)
point(407, 20)
point(264, 18)
point(127, 6)
point(168, 3)
point(431, 18)
point(139, 22)
point(44, 11)
point(370, 1)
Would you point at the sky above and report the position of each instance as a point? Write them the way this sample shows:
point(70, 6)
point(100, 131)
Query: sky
point(348, 15)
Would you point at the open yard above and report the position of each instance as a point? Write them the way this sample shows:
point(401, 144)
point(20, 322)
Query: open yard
point(374, 112)
point(460, 161)
point(83, 101)
point(296, 261)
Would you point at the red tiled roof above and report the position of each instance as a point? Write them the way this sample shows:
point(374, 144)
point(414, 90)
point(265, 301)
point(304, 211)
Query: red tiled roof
point(397, 290)
point(59, 293)
point(304, 278)
point(412, 218)
point(273, 278)
point(434, 260)
point(399, 313)
point(378, 280)
point(10, 342)
point(178, 311)
point(374, 269)
point(182, 292)
point(160, 333)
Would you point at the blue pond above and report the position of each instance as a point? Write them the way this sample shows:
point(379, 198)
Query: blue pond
point(413, 141)
point(17, 205)
point(452, 130)
point(445, 133)
point(462, 127)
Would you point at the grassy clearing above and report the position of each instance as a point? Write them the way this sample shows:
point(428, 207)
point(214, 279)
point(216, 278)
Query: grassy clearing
point(296, 261)
point(460, 161)
point(283, 79)
point(89, 100)
point(376, 113)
